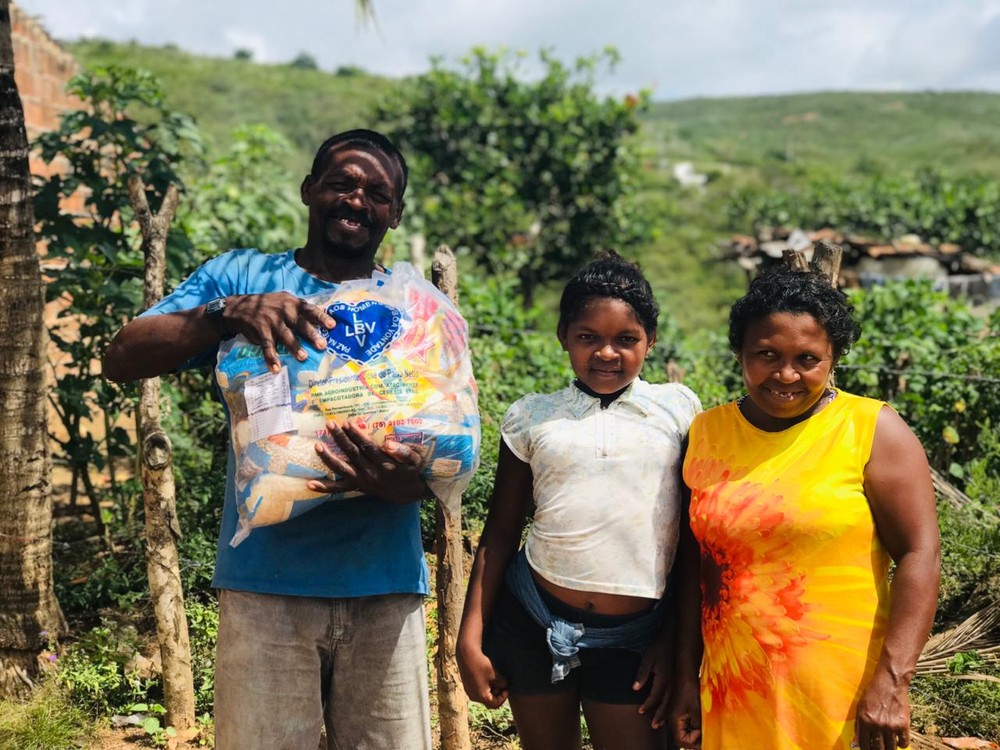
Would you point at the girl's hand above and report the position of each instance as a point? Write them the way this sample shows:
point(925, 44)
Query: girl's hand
point(685, 713)
point(657, 663)
point(481, 681)
point(883, 719)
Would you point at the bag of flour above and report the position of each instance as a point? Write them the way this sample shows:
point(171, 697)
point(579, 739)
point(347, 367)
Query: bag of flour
point(397, 360)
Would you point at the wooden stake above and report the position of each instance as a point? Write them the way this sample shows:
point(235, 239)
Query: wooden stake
point(826, 259)
point(453, 705)
point(162, 528)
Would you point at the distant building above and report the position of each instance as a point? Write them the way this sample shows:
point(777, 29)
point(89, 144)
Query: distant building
point(686, 176)
point(867, 262)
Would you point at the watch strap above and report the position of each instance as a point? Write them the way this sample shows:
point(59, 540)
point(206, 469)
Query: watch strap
point(213, 311)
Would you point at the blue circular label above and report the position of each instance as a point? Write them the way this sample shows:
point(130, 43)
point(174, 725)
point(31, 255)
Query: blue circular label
point(363, 331)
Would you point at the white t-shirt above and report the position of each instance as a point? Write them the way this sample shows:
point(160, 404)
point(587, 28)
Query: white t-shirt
point(606, 484)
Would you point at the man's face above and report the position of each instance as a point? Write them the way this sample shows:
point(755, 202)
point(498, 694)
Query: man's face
point(353, 201)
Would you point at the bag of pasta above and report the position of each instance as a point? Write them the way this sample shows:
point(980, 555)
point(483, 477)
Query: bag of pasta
point(397, 361)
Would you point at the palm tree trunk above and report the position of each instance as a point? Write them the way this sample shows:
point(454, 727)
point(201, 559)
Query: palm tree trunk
point(30, 615)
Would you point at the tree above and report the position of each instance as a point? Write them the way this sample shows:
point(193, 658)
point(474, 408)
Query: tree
point(100, 282)
point(529, 177)
point(30, 614)
point(162, 529)
point(246, 197)
point(364, 11)
point(305, 61)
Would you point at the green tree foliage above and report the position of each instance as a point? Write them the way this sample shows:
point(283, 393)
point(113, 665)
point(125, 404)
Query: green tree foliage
point(528, 176)
point(963, 210)
point(933, 360)
point(304, 60)
point(246, 198)
point(93, 258)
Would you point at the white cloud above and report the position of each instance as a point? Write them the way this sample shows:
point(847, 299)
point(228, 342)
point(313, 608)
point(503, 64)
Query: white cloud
point(682, 47)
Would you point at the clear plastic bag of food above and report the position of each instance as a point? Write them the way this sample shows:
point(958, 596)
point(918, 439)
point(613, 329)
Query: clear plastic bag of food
point(396, 363)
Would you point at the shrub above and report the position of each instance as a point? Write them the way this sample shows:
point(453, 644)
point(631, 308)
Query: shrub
point(100, 672)
point(933, 360)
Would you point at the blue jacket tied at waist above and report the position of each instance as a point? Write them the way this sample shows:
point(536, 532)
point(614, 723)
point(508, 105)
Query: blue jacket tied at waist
point(565, 639)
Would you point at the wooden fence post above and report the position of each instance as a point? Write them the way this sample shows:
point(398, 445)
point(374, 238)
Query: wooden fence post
point(453, 705)
point(162, 528)
point(826, 260)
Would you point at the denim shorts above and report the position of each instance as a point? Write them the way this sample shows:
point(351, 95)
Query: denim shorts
point(516, 645)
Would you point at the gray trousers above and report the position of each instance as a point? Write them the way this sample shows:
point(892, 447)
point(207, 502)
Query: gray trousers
point(287, 666)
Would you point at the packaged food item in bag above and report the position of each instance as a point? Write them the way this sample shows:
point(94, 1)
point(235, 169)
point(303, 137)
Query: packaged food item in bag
point(396, 362)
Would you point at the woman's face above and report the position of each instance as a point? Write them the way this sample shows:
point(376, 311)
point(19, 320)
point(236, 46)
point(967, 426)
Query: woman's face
point(786, 360)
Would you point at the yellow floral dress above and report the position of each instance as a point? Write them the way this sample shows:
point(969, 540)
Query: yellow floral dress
point(794, 578)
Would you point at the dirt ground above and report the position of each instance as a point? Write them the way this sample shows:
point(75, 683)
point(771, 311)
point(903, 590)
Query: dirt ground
point(121, 739)
point(135, 739)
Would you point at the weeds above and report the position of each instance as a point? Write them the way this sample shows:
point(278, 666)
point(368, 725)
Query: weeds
point(49, 721)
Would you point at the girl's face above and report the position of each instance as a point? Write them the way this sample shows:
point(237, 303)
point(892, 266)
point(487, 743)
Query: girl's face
point(606, 344)
point(786, 360)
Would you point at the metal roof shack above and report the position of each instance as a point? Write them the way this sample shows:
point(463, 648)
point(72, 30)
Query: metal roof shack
point(867, 261)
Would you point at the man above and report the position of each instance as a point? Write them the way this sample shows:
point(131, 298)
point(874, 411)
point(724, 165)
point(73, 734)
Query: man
point(321, 617)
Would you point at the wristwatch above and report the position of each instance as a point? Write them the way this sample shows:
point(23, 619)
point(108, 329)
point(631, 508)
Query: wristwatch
point(213, 311)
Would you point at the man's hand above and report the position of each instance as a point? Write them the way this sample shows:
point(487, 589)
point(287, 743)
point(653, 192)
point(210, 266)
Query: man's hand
point(390, 471)
point(277, 318)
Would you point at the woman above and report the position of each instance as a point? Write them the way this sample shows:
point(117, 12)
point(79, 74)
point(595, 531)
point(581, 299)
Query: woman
point(800, 496)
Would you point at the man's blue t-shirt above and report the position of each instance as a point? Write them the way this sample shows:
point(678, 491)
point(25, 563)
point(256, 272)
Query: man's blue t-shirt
point(349, 548)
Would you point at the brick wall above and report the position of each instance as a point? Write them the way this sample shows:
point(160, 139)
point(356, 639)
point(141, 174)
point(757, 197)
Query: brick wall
point(42, 68)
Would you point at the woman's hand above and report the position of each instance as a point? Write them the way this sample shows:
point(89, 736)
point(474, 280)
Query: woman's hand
point(684, 714)
point(657, 663)
point(390, 471)
point(883, 719)
point(481, 681)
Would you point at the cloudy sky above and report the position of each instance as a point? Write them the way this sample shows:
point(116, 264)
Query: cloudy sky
point(678, 48)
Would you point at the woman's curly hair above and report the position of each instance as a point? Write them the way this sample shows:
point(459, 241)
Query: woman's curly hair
point(609, 276)
point(781, 289)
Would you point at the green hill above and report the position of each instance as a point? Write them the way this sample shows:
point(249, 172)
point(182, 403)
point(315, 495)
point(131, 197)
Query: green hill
point(956, 132)
point(838, 131)
point(304, 105)
point(773, 141)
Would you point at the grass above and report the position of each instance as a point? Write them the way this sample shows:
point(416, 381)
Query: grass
point(836, 131)
point(955, 707)
point(47, 722)
point(840, 131)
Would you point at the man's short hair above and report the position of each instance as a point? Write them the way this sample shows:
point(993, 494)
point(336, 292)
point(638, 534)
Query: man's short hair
point(369, 140)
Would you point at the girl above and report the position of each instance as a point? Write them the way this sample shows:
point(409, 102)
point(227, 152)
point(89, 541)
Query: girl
point(576, 617)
